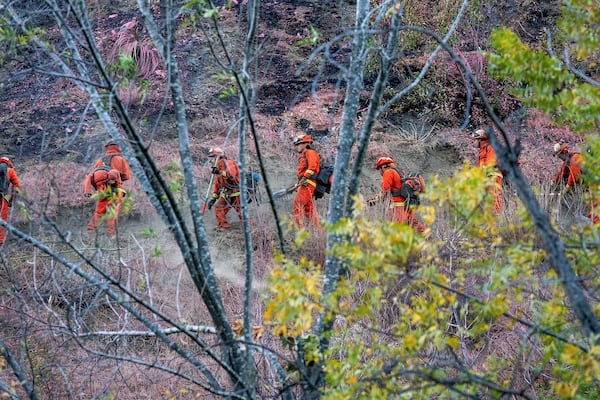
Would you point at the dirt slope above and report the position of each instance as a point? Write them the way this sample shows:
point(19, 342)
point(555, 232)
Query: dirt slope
point(45, 124)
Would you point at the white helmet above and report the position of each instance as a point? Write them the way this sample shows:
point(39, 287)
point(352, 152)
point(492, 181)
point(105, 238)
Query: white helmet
point(216, 152)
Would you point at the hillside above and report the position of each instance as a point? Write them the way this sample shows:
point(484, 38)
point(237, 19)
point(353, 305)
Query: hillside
point(53, 136)
point(47, 120)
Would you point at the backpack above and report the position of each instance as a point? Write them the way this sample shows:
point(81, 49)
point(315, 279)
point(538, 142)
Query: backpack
point(99, 176)
point(323, 179)
point(415, 180)
point(413, 184)
point(107, 159)
point(4, 178)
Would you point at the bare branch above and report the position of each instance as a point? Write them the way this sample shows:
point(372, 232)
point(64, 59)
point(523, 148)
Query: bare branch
point(166, 331)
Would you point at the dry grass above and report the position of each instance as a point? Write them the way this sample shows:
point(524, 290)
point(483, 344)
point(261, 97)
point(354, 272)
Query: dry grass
point(417, 131)
point(154, 268)
point(127, 40)
point(58, 299)
point(47, 189)
point(166, 277)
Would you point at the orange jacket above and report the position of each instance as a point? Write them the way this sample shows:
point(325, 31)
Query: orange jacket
point(391, 182)
point(228, 179)
point(117, 161)
point(13, 178)
point(14, 181)
point(309, 165)
point(487, 156)
point(570, 171)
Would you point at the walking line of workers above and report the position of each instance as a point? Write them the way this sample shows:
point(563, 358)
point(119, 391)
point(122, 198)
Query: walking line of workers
point(397, 189)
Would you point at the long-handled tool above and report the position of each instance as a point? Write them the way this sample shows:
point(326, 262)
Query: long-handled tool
point(283, 192)
point(210, 185)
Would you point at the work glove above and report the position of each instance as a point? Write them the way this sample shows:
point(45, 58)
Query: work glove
point(215, 171)
point(211, 203)
point(371, 202)
point(303, 181)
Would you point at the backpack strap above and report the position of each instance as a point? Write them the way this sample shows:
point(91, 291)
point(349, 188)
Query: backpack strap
point(107, 159)
point(5, 181)
point(396, 192)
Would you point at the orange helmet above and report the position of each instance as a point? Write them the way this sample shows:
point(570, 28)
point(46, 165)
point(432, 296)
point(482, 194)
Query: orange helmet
point(561, 146)
point(479, 134)
point(6, 160)
point(216, 152)
point(110, 143)
point(381, 161)
point(303, 139)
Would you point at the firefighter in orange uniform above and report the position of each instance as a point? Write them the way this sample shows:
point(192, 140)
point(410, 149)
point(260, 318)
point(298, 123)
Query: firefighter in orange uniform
point(308, 168)
point(570, 171)
point(391, 190)
point(107, 177)
point(487, 159)
point(226, 190)
point(569, 175)
point(8, 195)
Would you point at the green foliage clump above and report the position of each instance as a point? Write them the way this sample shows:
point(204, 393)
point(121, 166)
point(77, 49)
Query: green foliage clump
point(294, 297)
point(419, 317)
point(548, 82)
point(174, 176)
point(579, 26)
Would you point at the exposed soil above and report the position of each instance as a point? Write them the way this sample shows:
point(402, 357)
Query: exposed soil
point(53, 136)
point(52, 123)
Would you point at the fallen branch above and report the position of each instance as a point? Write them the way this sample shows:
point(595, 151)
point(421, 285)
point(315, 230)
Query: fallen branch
point(168, 331)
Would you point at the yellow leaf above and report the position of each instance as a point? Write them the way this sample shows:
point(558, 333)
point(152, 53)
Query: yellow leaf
point(565, 390)
point(452, 342)
point(281, 330)
point(416, 318)
point(410, 341)
point(571, 354)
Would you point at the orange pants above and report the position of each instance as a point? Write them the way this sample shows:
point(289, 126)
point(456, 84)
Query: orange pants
point(304, 206)
point(399, 213)
point(4, 209)
point(495, 191)
point(110, 206)
point(222, 208)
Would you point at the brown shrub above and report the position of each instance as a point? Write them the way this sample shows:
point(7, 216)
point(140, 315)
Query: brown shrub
point(46, 189)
